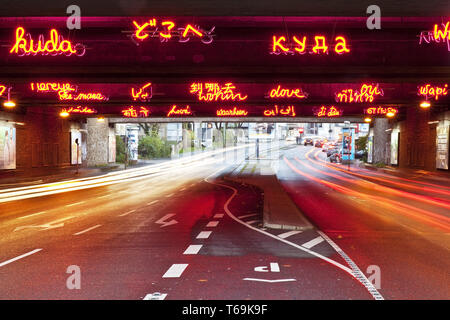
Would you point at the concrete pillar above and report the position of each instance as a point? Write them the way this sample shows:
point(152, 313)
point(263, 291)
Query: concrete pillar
point(380, 140)
point(97, 142)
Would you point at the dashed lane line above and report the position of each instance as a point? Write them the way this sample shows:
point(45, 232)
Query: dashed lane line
point(32, 215)
point(126, 213)
point(175, 270)
point(247, 216)
point(204, 234)
point(74, 204)
point(150, 203)
point(86, 230)
point(212, 224)
point(218, 216)
point(4, 263)
point(193, 249)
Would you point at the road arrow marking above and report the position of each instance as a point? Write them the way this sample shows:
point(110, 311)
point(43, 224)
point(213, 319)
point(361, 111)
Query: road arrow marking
point(270, 281)
point(45, 226)
point(274, 267)
point(165, 223)
point(155, 296)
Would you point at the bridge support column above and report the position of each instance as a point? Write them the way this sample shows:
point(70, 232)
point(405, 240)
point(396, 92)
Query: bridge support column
point(98, 145)
point(380, 140)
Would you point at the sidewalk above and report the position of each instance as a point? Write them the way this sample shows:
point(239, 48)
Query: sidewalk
point(280, 212)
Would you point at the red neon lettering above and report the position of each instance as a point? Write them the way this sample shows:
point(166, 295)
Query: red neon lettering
point(329, 112)
point(97, 96)
point(277, 43)
point(380, 110)
point(441, 35)
point(235, 112)
point(214, 92)
point(192, 29)
point(321, 46)
point(170, 26)
point(52, 87)
point(55, 45)
point(144, 93)
point(2, 89)
point(287, 93)
point(140, 29)
point(435, 92)
point(341, 46)
point(80, 110)
point(302, 45)
point(367, 93)
point(288, 111)
point(178, 112)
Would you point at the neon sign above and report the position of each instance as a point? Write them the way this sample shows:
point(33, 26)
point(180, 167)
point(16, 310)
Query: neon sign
point(56, 45)
point(429, 91)
point(79, 110)
point(82, 96)
point(295, 45)
point(367, 93)
point(144, 93)
point(437, 35)
point(2, 89)
point(167, 30)
point(288, 111)
point(235, 112)
point(213, 91)
point(52, 87)
point(135, 112)
point(380, 110)
point(328, 112)
point(176, 111)
point(287, 93)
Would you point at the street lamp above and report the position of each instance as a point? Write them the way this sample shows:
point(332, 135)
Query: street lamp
point(368, 119)
point(64, 114)
point(425, 104)
point(9, 103)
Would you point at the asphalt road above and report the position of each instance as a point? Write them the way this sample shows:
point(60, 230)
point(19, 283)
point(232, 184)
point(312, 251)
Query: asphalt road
point(185, 233)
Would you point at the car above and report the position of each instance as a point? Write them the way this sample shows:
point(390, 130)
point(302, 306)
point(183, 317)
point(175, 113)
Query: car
point(318, 144)
point(331, 151)
point(290, 138)
point(308, 141)
point(360, 154)
point(335, 157)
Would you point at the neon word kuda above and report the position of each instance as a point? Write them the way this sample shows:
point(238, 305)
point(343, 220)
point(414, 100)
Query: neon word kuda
point(278, 92)
point(176, 111)
point(135, 112)
point(166, 30)
point(429, 91)
point(288, 111)
point(56, 45)
point(235, 112)
point(366, 93)
point(299, 45)
point(212, 91)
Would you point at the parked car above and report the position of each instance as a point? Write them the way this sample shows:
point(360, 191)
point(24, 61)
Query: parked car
point(360, 154)
point(308, 141)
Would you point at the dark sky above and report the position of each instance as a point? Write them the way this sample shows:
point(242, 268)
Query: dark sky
point(225, 7)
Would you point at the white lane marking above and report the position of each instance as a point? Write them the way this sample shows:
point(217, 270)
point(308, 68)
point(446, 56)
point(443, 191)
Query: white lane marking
point(175, 270)
point(4, 263)
point(204, 235)
point(212, 224)
point(182, 189)
point(375, 294)
point(31, 215)
point(165, 223)
point(74, 204)
point(285, 235)
point(150, 203)
point(169, 195)
point(50, 225)
point(252, 221)
point(313, 242)
point(193, 249)
point(247, 216)
point(105, 196)
point(270, 281)
point(155, 296)
point(358, 273)
point(274, 267)
point(127, 213)
point(218, 216)
point(86, 230)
